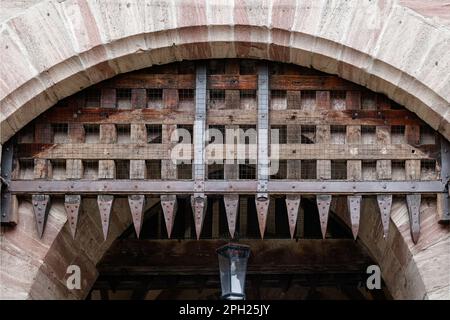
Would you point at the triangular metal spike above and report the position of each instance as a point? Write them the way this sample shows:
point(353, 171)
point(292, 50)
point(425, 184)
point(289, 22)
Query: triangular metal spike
point(137, 203)
point(169, 206)
point(292, 206)
point(262, 207)
point(231, 202)
point(323, 205)
point(413, 202)
point(72, 204)
point(41, 207)
point(385, 205)
point(199, 210)
point(354, 207)
point(105, 203)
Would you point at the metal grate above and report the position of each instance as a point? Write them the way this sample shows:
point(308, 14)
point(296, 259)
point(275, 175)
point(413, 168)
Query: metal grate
point(60, 133)
point(92, 133)
point(153, 169)
point(122, 169)
point(154, 133)
point(123, 98)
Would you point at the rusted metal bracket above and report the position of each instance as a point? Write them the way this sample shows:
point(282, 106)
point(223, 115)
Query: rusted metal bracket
point(169, 207)
point(137, 203)
point(413, 203)
point(105, 203)
point(41, 208)
point(231, 202)
point(199, 205)
point(354, 207)
point(443, 199)
point(385, 205)
point(323, 206)
point(262, 208)
point(72, 205)
point(292, 206)
point(6, 201)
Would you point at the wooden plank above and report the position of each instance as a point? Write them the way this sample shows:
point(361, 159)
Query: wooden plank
point(138, 169)
point(323, 100)
point(163, 257)
point(384, 167)
point(231, 167)
point(42, 169)
point(108, 133)
point(170, 98)
point(138, 98)
point(76, 132)
point(230, 82)
point(325, 151)
point(74, 169)
point(106, 169)
point(354, 167)
point(230, 116)
point(138, 133)
point(108, 98)
point(353, 100)
point(168, 168)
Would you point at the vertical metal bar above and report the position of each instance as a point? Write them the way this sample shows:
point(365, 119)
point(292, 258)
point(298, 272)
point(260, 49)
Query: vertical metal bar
point(6, 206)
point(198, 201)
point(263, 131)
point(262, 196)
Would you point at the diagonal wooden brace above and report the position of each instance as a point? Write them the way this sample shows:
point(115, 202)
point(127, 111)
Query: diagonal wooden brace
point(169, 206)
point(385, 205)
point(72, 205)
point(231, 202)
point(199, 209)
point(354, 207)
point(41, 208)
point(137, 203)
point(292, 206)
point(105, 203)
point(262, 208)
point(323, 205)
point(413, 203)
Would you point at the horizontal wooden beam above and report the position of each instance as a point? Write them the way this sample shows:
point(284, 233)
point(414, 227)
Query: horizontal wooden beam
point(134, 151)
point(173, 257)
point(186, 187)
point(229, 82)
point(230, 116)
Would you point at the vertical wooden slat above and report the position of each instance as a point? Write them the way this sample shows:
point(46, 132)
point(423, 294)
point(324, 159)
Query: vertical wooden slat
point(384, 167)
point(106, 169)
point(138, 98)
point(108, 98)
point(138, 133)
point(42, 169)
point(384, 171)
point(74, 169)
point(170, 98)
point(108, 133)
point(76, 133)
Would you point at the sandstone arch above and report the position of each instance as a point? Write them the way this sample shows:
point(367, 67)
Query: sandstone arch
point(57, 48)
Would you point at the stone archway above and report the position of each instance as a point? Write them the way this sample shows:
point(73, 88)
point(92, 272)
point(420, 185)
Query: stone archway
point(55, 49)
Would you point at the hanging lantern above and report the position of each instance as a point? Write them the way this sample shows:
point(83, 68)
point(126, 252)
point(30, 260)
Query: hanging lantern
point(233, 269)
